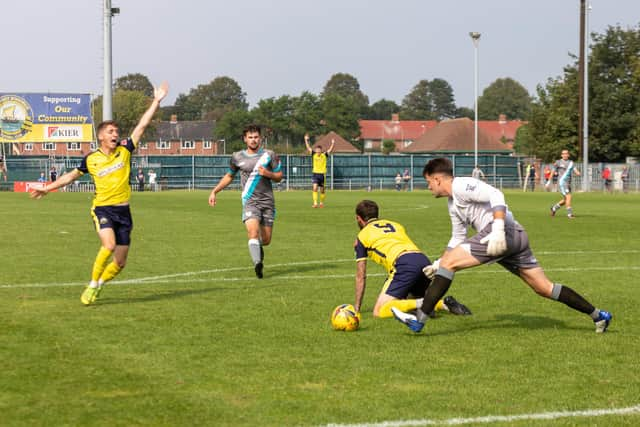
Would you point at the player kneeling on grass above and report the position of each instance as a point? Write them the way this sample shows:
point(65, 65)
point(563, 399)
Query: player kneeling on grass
point(387, 243)
point(110, 168)
point(499, 239)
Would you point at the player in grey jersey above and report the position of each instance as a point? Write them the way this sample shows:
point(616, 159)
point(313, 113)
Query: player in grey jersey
point(258, 168)
point(500, 238)
point(563, 169)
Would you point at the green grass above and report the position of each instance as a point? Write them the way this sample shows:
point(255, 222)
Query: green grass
point(187, 336)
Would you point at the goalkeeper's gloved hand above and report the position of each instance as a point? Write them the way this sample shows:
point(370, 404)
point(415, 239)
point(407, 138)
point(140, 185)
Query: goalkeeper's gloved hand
point(497, 242)
point(430, 270)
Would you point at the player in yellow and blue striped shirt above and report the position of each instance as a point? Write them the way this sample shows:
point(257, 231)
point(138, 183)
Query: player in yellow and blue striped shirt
point(110, 168)
point(387, 243)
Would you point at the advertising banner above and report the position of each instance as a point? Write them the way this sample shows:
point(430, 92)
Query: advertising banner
point(45, 117)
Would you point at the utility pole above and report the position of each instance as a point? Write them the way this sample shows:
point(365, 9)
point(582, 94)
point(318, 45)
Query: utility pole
point(107, 95)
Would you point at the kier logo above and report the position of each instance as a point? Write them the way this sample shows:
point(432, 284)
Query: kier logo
point(63, 132)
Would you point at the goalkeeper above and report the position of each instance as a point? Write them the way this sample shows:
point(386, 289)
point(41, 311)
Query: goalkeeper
point(499, 239)
point(387, 243)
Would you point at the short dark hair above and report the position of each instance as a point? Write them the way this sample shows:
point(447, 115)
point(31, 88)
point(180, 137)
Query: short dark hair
point(439, 165)
point(106, 123)
point(252, 129)
point(367, 210)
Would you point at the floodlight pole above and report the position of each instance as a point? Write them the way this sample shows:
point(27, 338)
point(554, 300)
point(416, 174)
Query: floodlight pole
point(475, 36)
point(584, 86)
point(107, 110)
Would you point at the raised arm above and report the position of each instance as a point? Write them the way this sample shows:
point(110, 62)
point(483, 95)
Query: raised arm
point(158, 94)
point(330, 150)
point(306, 142)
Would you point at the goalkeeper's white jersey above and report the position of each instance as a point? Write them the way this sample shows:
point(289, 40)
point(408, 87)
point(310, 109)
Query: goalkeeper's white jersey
point(472, 203)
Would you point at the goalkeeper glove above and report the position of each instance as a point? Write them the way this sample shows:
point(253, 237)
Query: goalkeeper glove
point(496, 240)
point(430, 270)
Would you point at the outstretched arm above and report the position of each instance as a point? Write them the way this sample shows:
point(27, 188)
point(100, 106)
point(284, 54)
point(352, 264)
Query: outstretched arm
point(66, 179)
point(158, 94)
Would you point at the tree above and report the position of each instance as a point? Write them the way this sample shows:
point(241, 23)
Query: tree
point(340, 114)
point(211, 101)
point(388, 146)
point(614, 108)
point(128, 107)
point(504, 96)
point(346, 86)
point(135, 81)
point(307, 116)
point(465, 112)
point(230, 129)
point(382, 110)
point(524, 142)
point(429, 100)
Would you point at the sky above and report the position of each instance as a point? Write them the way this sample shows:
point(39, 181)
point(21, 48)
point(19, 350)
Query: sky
point(284, 47)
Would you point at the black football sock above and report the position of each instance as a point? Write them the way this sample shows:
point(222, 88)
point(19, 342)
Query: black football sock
point(436, 290)
point(568, 296)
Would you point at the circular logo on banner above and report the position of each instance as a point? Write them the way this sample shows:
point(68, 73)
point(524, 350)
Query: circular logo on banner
point(16, 117)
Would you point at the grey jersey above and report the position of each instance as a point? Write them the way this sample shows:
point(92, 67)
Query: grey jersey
point(564, 168)
point(255, 187)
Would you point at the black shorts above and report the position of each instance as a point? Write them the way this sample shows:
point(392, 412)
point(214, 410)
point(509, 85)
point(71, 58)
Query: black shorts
point(318, 178)
point(116, 217)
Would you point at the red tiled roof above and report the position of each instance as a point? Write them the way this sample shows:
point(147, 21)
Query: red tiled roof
point(456, 135)
point(341, 145)
point(497, 129)
point(396, 130)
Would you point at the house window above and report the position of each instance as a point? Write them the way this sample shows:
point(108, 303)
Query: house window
point(28, 147)
point(206, 145)
point(368, 144)
point(187, 145)
point(49, 146)
point(73, 146)
point(93, 146)
point(163, 145)
point(142, 145)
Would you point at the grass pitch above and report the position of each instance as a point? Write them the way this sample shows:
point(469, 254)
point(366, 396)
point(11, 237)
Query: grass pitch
point(187, 335)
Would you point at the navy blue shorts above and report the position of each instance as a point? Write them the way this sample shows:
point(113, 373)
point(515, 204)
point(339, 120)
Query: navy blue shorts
point(318, 178)
point(407, 277)
point(116, 217)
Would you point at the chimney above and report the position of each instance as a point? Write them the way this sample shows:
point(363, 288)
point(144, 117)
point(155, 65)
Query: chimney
point(395, 117)
point(174, 119)
point(502, 119)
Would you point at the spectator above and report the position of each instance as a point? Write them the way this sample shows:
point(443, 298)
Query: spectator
point(152, 180)
point(547, 178)
point(140, 179)
point(42, 177)
point(624, 176)
point(477, 173)
point(606, 179)
point(53, 173)
point(406, 177)
point(398, 181)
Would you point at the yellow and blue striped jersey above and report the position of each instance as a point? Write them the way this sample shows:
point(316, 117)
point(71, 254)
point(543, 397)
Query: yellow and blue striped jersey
point(110, 174)
point(383, 241)
point(319, 163)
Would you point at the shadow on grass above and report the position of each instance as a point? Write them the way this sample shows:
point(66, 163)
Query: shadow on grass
point(505, 322)
point(158, 296)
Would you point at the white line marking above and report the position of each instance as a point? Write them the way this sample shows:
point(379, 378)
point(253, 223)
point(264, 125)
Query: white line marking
point(631, 410)
point(165, 278)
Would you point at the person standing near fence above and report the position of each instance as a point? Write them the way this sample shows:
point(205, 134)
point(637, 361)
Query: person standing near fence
point(624, 176)
point(110, 168)
point(258, 169)
point(564, 168)
point(319, 170)
point(140, 179)
point(152, 180)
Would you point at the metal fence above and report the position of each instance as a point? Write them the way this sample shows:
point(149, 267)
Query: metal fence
point(344, 172)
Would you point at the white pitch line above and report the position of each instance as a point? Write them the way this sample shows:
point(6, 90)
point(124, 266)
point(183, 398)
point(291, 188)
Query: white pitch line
point(589, 413)
point(183, 277)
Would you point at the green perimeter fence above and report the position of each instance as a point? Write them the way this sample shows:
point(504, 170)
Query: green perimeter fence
point(357, 172)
